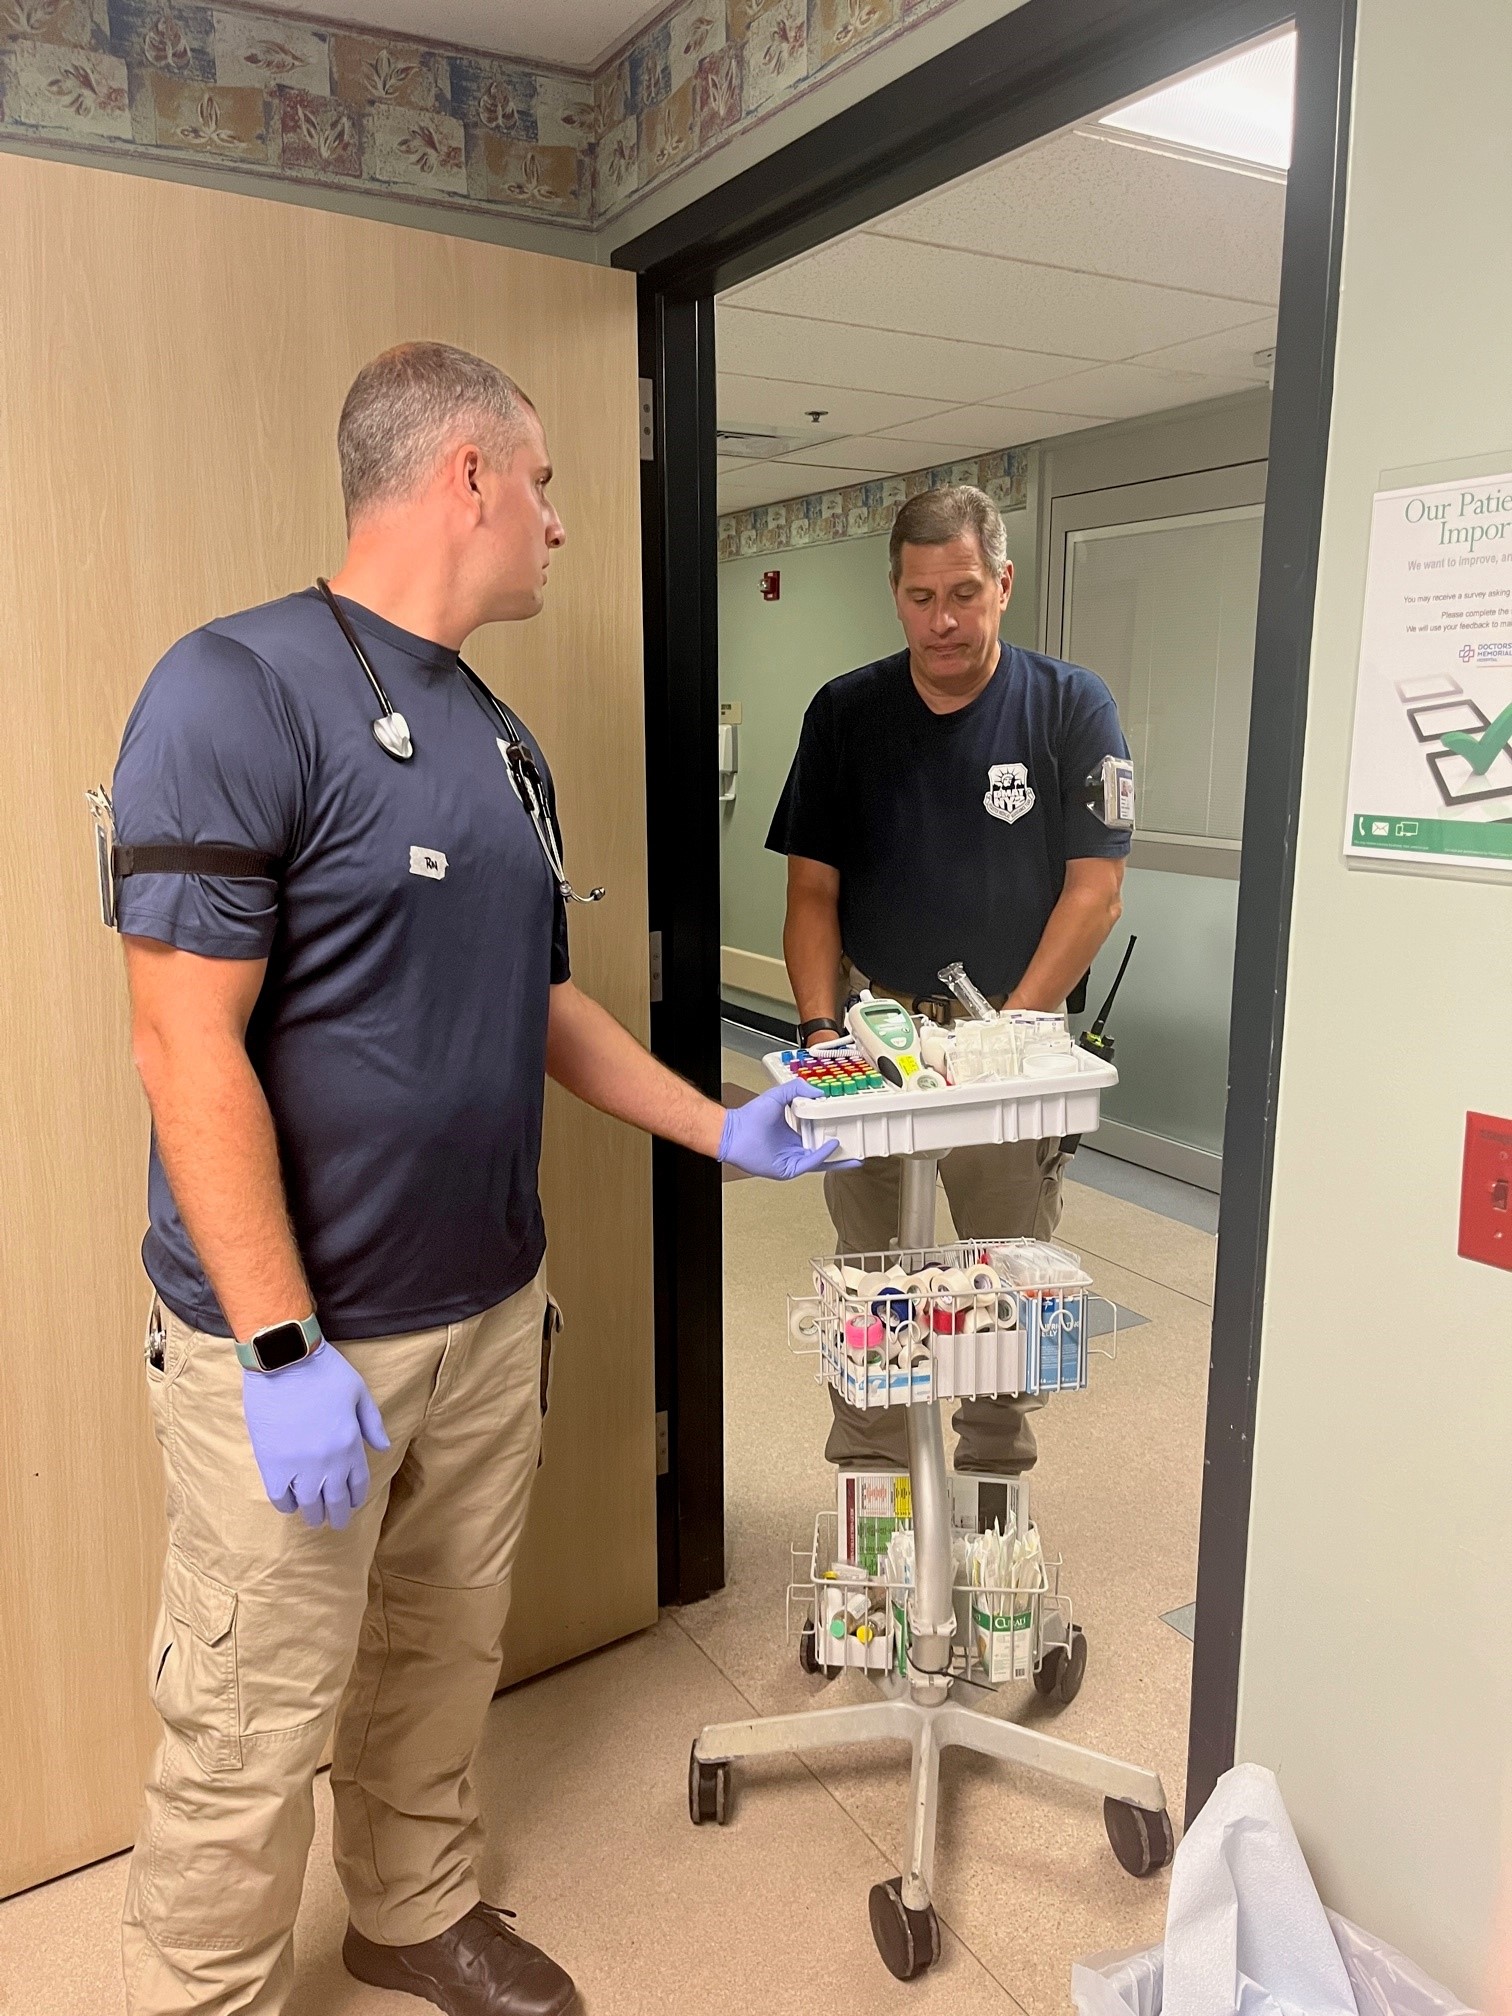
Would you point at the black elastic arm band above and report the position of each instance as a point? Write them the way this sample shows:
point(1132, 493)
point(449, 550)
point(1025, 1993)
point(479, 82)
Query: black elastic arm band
point(237, 864)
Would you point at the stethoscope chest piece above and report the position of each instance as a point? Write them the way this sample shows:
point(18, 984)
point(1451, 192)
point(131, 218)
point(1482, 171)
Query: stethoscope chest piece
point(391, 733)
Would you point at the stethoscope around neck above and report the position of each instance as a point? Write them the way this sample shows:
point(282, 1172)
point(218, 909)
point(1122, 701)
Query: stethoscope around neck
point(391, 733)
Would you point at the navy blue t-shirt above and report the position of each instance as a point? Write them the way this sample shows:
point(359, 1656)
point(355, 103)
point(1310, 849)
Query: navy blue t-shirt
point(951, 832)
point(412, 940)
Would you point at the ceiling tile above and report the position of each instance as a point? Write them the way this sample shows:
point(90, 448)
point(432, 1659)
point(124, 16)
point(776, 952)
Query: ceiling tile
point(928, 290)
point(785, 403)
point(578, 34)
point(883, 457)
point(1103, 206)
point(1117, 392)
point(1228, 355)
point(769, 482)
point(874, 360)
point(976, 430)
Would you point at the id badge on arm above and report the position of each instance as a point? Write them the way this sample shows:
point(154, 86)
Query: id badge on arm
point(1109, 793)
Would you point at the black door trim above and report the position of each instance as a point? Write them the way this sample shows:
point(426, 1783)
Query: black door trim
point(1300, 410)
point(1040, 68)
point(680, 592)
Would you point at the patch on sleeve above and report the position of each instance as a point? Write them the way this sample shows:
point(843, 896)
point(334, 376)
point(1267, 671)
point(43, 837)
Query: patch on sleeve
point(428, 861)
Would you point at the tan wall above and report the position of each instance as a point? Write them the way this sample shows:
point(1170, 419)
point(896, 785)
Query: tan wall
point(1376, 1642)
point(174, 360)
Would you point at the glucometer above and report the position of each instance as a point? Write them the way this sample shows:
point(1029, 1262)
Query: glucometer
point(886, 1034)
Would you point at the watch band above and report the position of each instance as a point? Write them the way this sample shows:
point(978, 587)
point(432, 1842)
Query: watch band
point(308, 1327)
point(808, 1030)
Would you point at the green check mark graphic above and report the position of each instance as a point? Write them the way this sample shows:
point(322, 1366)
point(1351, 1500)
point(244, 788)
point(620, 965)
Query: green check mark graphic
point(1481, 751)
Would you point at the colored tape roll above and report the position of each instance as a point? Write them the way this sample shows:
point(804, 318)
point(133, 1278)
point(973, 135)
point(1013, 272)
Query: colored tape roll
point(892, 1306)
point(863, 1334)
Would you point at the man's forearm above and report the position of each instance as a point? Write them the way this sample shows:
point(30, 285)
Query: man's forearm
point(599, 1061)
point(811, 950)
point(215, 1136)
point(1075, 934)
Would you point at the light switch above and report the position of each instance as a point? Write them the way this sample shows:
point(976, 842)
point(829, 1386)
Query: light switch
point(1485, 1231)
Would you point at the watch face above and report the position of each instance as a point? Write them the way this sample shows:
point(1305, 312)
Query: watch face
point(283, 1345)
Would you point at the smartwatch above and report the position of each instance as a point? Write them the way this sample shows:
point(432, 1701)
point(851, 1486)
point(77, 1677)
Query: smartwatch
point(807, 1031)
point(280, 1345)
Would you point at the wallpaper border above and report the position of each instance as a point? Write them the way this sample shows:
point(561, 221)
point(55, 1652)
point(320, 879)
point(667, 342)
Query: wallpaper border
point(866, 510)
point(333, 105)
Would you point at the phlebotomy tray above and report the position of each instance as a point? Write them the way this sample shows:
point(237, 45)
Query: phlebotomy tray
point(960, 1116)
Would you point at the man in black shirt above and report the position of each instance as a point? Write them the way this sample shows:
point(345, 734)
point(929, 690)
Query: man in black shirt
point(936, 811)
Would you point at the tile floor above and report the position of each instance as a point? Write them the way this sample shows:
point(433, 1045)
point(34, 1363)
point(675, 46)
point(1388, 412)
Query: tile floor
point(584, 1770)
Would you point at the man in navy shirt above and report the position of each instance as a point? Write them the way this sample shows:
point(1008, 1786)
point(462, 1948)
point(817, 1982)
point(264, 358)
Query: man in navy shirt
point(936, 811)
point(346, 943)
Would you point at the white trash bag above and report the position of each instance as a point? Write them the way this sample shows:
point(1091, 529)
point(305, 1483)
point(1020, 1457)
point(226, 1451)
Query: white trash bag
point(1246, 1934)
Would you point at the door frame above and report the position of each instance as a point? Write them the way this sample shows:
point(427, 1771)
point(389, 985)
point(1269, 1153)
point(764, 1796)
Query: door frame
point(1042, 67)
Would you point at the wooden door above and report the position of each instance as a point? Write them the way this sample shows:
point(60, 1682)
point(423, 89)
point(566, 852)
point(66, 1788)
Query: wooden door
point(172, 363)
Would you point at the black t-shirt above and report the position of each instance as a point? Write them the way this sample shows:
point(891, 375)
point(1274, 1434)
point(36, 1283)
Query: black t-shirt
point(411, 942)
point(951, 832)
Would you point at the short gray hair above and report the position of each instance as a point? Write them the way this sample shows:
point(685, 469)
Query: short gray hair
point(935, 517)
point(408, 406)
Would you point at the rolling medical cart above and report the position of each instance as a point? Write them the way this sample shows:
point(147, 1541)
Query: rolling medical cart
point(995, 1335)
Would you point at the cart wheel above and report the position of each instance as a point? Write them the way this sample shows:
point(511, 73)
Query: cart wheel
point(808, 1659)
point(1142, 1840)
point(708, 1790)
point(1069, 1678)
point(1048, 1671)
point(909, 1941)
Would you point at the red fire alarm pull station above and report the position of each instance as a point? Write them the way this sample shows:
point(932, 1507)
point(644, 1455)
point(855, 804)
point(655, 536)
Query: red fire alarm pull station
point(771, 586)
point(1485, 1231)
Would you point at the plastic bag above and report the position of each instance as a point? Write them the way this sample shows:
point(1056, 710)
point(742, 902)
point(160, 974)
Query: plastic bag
point(1385, 1983)
point(1246, 1934)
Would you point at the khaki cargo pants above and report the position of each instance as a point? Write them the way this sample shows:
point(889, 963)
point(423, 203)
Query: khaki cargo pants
point(270, 1633)
point(1010, 1191)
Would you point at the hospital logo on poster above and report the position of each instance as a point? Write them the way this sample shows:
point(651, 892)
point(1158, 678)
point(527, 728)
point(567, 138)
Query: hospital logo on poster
point(1009, 793)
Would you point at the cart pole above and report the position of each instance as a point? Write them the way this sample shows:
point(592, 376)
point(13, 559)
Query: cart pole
point(932, 1611)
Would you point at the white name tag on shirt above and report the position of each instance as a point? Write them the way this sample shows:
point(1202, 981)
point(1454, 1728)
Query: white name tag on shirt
point(428, 861)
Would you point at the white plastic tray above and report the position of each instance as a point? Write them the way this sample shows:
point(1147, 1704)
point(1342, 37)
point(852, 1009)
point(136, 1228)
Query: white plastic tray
point(961, 1116)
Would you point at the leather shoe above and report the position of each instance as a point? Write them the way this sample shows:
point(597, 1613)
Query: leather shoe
point(480, 1967)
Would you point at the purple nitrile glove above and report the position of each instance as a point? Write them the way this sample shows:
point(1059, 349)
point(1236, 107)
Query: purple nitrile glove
point(759, 1138)
point(308, 1424)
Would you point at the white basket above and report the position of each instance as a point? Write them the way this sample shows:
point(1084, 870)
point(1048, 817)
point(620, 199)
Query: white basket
point(894, 1343)
point(823, 1600)
point(960, 1116)
point(1001, 1636)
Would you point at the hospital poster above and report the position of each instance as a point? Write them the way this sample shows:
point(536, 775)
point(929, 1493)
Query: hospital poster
point(1430, 775)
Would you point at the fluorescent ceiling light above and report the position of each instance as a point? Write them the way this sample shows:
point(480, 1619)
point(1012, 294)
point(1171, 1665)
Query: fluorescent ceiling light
point(1239, 109)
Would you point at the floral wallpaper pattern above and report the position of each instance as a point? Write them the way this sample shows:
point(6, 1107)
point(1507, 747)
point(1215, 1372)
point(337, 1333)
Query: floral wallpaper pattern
point(863, 510)
point(317, 102)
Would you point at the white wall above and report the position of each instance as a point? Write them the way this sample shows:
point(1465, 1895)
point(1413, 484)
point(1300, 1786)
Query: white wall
point(1376, 1641)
